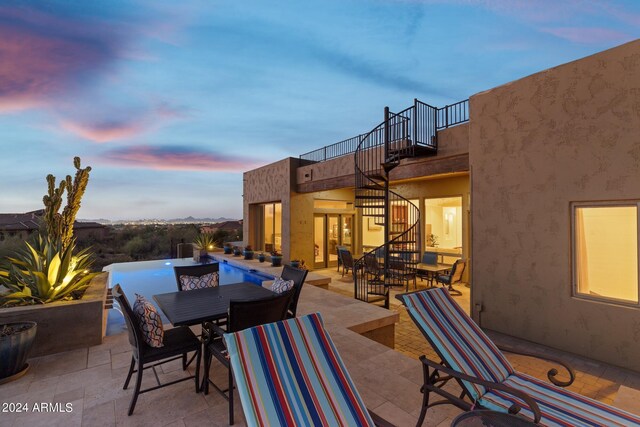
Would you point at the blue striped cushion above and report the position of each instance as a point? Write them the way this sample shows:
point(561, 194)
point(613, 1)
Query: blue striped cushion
point(559, 407)
point(289, 373)
point(457, 338)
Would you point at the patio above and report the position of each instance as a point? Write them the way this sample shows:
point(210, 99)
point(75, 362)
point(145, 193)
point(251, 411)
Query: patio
point(91, 379)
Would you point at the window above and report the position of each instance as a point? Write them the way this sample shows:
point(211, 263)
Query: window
point(443, 223)
point(605, 251)
point(269, 230)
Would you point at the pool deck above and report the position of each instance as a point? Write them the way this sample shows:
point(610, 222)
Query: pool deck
point(314, 279)
point(91, 379)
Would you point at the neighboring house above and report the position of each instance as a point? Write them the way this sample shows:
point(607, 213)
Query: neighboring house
point(23, 225)
point(538, 187)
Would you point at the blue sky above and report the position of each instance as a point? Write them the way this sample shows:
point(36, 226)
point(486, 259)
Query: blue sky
point(169, 102)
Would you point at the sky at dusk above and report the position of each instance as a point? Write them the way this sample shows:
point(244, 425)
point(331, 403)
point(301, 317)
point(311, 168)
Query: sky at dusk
point(169, 102)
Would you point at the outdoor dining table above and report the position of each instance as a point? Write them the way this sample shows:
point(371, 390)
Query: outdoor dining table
point(429, 271)
point(193, 307)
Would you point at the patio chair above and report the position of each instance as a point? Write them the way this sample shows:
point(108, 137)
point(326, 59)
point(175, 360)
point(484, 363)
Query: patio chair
point(187, 276)
point(455, 276)
point(369, 284)
point(177, 342)
point(339, 249)
point(400, 272)
point(242, 315)
point(486, 377)
point(191, 277)
point(290, 373)
point(347, 261)
point(298, 276)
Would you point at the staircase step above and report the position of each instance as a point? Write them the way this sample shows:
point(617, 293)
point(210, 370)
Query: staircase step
point(380, 215)
point(402, 242)
point(404, 251)
point(376, 176)
point(372, 197)
point(371, 187)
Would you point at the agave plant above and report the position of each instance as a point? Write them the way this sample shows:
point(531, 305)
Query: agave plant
point(45, 272)
point(205, 241)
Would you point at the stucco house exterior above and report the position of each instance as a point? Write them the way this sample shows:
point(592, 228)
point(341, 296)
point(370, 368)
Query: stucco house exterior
point(536, 183)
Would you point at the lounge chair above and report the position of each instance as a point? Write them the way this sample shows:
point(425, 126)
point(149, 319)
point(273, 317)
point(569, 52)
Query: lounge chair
point(242, 315)
point(290, 373)
point(486, 377)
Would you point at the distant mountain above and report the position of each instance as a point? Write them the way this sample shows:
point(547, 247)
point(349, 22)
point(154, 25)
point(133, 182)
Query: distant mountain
point(187, 220)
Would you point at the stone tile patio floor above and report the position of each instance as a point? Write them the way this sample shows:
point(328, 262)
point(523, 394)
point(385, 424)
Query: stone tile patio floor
point(594, 379)
point(91, 380)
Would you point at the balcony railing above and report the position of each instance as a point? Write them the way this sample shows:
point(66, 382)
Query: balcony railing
point(446, 117)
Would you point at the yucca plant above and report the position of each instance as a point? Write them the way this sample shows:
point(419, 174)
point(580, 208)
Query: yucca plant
point(205, 241)
point(45, 272)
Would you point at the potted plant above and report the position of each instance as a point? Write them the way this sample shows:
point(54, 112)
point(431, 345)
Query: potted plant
point(227, 248)
point(236, 251)
point(432, 240)
point(202, 244)
point(16, 340)
point(248, 252)
point(261, 257)
point(295, 263)
point(276, 259)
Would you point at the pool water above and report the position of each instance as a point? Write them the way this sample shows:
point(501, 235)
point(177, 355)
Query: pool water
point(149, 278)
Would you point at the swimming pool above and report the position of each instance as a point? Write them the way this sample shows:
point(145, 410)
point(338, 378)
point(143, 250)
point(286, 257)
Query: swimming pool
point(149, 278)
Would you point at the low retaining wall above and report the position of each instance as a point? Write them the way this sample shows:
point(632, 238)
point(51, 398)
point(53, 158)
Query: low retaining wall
point(65, 325)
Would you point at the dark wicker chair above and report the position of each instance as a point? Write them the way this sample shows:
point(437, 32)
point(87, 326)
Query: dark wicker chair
point(242, 315)
point(454, 277)
point(298, 276)
point(339, 250)
point(198, 270)
point(400, 272)
point(194, 270)
point(347, 262)
point(177, 343)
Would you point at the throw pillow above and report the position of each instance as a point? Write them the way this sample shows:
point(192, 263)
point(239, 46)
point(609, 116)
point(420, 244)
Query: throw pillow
point(210, 280)
point(280, 285)
point(149, 321)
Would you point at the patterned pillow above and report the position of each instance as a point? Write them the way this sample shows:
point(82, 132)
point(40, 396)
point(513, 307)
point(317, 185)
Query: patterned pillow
point(150, 322)
point(280, 285)
point(189, 283)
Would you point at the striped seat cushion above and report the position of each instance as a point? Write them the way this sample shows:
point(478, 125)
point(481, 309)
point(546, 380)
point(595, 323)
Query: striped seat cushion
point(559, 407)
point(289, 373)
point(456, 337)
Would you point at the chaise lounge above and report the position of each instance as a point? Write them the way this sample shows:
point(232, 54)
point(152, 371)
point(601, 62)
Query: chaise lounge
point(487, 379)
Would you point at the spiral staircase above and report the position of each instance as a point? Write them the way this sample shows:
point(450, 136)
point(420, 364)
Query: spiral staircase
point(409, 133)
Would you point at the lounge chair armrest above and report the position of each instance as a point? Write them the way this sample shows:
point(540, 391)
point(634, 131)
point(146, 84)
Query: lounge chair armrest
point(490, 386)
point(551, 374)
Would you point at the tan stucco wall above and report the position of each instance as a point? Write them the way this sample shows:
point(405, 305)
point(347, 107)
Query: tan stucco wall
point(270, 183)
point(571, 133)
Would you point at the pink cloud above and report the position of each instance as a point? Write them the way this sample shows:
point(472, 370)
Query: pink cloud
point(118, 126)
point(588, 35)
point(44, 55)
point(176, 158)
point(104, 131)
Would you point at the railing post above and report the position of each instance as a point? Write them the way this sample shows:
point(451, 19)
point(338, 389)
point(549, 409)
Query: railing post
point(325, 153)
point(386, 195)
point(434, 137)
point(415, 121)
point(446, 116)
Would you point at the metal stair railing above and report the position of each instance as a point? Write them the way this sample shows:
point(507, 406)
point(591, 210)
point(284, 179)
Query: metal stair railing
point(377, 154)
